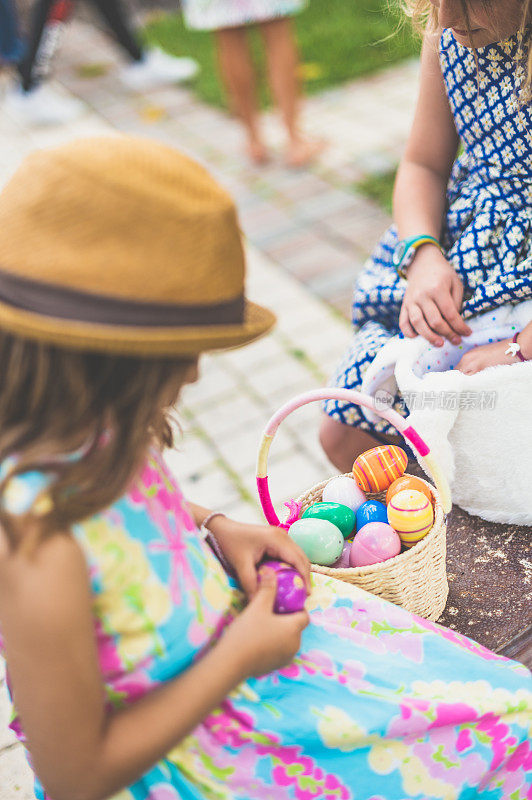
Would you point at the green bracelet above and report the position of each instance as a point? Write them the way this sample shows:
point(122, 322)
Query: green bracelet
point(406, 249)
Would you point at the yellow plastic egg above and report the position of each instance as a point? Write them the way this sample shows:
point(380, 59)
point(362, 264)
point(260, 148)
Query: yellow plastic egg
point(408, 482)
point(377, 468)
point(410, 513)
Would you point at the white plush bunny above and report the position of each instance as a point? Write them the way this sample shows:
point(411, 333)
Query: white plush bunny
point(479, 427)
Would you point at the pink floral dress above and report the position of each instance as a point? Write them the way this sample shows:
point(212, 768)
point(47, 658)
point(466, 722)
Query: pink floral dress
point(377, 705)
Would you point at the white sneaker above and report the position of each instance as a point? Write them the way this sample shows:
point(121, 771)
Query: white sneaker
point(42, 105)
point(157, 69)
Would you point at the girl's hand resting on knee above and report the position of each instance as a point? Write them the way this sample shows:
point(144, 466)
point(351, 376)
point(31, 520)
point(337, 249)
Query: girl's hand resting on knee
point(265, 640)
point(433, 299)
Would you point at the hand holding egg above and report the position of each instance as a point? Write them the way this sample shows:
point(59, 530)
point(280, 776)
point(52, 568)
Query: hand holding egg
point(291, 593)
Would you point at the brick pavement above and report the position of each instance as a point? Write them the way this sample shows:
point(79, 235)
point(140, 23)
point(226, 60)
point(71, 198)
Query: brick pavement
point(308, 232)
point(312, 223)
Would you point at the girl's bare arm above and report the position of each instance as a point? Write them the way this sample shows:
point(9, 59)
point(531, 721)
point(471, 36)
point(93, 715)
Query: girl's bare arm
point(79, 750)
point(433, 296)
point(422, 177)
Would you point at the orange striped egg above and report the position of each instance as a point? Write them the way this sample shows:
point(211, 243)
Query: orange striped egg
point(377, 468)
point(410, 513)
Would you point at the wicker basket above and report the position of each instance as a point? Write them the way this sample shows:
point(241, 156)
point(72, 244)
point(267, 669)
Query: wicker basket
point(415, 579)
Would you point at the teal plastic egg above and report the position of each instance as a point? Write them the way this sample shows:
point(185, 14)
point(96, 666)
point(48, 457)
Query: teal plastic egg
point(321, 541)
point(340, 515)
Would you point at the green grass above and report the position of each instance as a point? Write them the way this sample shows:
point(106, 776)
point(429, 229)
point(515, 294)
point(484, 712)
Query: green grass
point(379, 188)
point(338, 40)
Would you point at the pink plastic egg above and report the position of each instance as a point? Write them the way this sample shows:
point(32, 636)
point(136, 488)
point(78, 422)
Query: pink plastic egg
point(375, 542)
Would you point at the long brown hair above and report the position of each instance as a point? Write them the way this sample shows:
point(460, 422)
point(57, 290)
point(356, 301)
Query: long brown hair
point(425, 17)
point(106, 410)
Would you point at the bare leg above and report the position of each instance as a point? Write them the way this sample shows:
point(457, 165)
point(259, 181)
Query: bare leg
point(239, 77)
point(281, 53)
point(342, 443)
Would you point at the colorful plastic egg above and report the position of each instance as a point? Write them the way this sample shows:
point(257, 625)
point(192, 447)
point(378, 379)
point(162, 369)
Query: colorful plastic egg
point(408, 482)
point(320, 540)
point(375, 542)
point(291, 593)
point(411, 514)
point(371, 511)
point(344, 490)
point(341, 516)
point(343, 561)
point(379, 467)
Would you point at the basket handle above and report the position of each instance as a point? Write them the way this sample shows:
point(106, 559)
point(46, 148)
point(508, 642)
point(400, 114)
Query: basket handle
point(419, 446)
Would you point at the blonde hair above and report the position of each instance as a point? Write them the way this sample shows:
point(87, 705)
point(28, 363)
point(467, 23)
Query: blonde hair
point(424, 16)
point(105, 409)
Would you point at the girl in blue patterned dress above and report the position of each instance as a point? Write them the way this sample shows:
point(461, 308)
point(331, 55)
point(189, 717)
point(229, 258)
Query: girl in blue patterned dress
point(462, 229)
point(138, 668)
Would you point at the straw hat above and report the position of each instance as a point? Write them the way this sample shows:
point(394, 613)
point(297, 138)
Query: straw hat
point(122, 245)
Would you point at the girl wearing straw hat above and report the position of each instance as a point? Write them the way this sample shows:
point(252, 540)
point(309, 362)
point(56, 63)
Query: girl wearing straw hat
point(137, 667)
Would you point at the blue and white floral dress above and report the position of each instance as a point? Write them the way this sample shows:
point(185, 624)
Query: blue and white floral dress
point(487, 230)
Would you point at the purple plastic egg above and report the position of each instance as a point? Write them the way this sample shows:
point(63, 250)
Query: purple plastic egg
point(343, 562)
point(291, 592)
point(375, 542)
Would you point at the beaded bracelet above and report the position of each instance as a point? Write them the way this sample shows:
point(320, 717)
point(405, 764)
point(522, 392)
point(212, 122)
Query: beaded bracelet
point(204, 528)
point(514, 349)
point(209, 537)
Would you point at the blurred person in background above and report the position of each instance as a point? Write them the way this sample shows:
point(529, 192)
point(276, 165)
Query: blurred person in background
point(11, 45)
point(231, 20)
point(34, 102)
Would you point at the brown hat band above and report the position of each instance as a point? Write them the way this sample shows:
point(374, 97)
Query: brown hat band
point(62, 303)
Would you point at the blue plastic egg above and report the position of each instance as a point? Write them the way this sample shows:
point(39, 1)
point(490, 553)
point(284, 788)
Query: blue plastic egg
point(371, 511)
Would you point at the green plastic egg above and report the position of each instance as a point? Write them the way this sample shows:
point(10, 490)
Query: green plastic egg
point(320, 540)
point(341, 516)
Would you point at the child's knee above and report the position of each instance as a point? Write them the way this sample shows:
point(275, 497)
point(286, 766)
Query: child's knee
point(331, 435)
point(341, 443)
